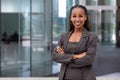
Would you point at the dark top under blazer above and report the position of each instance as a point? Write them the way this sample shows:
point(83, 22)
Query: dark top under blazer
point(87, 43)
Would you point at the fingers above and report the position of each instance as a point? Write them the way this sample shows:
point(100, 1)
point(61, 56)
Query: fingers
point(58, 47)
point(80, 55)
point(60, 50)
point(83, 54)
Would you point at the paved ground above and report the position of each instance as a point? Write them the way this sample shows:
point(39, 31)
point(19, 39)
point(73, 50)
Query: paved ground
point(55, 78)
point(107, 60)
point(113, 76)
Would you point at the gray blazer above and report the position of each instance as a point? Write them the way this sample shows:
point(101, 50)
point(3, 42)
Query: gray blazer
point(88, 43)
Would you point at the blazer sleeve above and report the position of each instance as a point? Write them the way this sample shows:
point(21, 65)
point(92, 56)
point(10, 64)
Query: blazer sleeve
point(61, 58)
point(91, 53)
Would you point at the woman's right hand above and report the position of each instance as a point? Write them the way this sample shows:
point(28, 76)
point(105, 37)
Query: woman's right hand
point(77, 56)
point(60, 50)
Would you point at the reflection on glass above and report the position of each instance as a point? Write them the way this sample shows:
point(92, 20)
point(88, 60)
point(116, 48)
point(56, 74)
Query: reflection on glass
point(101, 2)
point(103, 23)
point(91, 2)
point(41, 63)
point(59, 22)
point(108, 27)
point(94, 21)
point(26, 38)
point(15, 49)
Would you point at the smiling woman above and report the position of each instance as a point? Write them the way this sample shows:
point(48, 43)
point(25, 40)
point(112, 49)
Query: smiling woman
point(78, 17)
point(76, 49)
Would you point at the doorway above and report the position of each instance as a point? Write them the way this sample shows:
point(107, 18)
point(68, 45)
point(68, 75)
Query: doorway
point(103, 22)
point(26, 34)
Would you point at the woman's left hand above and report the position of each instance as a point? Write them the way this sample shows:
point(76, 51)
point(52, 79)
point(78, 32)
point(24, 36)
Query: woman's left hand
point(60, 50)
point(77, 56)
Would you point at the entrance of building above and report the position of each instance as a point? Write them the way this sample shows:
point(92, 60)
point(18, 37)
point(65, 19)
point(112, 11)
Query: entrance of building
point(102, 21)
point(25, 38)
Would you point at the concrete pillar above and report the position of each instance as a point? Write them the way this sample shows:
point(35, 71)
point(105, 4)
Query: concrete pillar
point(0, 38)
point(118, 24)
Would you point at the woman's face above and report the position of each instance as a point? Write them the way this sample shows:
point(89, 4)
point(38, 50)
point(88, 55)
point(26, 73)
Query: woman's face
point(78, 17)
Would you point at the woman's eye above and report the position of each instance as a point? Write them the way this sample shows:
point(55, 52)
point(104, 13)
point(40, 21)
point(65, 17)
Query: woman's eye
point(80, 16)
point(74, 16)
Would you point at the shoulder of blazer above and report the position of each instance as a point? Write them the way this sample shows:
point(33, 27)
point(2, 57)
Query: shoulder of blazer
point(66, 34)
point(92, 36)
point(65, 37)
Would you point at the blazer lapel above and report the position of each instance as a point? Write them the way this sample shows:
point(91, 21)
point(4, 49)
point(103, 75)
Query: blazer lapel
point(83, 38)
point(67, 39)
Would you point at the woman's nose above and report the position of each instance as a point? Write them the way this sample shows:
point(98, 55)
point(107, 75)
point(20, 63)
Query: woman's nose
point(77, 18)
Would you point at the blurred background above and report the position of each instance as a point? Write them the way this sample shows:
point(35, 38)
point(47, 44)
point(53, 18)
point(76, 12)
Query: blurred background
point(30, 29)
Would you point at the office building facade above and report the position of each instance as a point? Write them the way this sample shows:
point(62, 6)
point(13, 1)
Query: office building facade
point(30, 29)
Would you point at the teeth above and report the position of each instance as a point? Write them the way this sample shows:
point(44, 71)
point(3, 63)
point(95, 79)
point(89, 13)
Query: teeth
point(77, 23)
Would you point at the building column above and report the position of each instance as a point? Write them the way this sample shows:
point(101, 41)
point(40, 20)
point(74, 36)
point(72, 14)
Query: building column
point(0, 38)
point(118, 24)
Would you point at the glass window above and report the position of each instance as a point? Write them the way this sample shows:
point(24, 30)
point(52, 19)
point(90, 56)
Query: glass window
point(59, 19)
point(104, 24)
point(15, 44)
point(41, 37)
point(26, 34)
point(91, 2)
point(93, 21)
point(108, 27)
point(101, 2)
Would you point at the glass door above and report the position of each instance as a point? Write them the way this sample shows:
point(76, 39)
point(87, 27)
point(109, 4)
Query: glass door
point(103, 23)
point(41, 37)
point(15, 38)
point(25, 38)
point(108, 27)
point(95, 22)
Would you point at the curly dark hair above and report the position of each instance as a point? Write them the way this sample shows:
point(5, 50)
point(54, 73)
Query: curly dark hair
point(86, 25)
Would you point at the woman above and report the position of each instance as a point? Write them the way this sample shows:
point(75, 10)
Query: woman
point(76, 49)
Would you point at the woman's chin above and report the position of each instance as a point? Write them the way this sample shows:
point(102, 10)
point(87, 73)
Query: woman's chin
point(77, 26)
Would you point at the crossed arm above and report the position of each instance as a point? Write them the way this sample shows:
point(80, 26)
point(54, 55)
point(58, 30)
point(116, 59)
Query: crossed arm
point(60, 50)
point(77, 60)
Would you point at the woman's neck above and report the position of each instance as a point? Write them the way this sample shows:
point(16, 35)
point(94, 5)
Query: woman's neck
point(80, 30)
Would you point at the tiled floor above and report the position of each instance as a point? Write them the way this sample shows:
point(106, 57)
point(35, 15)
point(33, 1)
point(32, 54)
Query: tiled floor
point(56, 78)
point(107, 60)
point(113, 76)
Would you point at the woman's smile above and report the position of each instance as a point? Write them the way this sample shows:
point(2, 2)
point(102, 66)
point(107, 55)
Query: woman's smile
point(77, 23)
